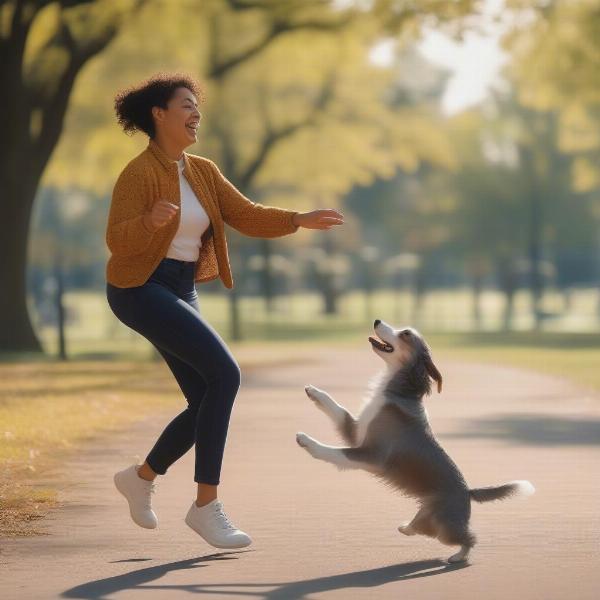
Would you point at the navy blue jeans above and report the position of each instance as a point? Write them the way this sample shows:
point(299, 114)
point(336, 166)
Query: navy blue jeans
point(165, 311)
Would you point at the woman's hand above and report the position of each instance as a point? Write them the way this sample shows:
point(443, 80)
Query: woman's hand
point(322, 218)
point(162, 212)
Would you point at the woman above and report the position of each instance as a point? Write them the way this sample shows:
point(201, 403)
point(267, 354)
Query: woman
point(165, 232)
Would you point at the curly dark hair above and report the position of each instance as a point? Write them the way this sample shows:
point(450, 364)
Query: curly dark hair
point(133, 105)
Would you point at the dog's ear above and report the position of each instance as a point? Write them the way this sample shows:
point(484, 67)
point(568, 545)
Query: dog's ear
point(433, 372)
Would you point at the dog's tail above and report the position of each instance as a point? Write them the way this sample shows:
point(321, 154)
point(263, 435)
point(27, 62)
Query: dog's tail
point(500, 492)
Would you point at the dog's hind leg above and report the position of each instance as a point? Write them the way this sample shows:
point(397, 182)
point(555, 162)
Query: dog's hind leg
point(343, 458)
point(451, 536)
point(406, 529)
point(462, 554)
point(343, 420)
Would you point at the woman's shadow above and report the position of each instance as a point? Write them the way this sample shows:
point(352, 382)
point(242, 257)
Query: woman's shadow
point(291, 590)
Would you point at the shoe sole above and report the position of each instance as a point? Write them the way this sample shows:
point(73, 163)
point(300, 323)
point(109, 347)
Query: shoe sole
point(216, 545)
point(124, 494)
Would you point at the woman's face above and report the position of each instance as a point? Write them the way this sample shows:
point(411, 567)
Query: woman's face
point(179, 122)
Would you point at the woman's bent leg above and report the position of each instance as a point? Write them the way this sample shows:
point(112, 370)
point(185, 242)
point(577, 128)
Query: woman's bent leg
point(212, 422)
point(180, 434)
point(174, 326)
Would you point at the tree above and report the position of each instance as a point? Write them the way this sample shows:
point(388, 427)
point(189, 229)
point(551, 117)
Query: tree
point(62, 37)
point(554, 69)
point(43, 47)
point(326, 114)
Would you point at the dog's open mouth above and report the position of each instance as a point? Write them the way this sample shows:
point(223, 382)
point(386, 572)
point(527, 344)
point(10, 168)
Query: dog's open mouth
point(383, 346)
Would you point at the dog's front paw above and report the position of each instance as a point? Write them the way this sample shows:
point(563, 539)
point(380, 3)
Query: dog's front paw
point(302, 439)
point(311, 445)
point(315, 394)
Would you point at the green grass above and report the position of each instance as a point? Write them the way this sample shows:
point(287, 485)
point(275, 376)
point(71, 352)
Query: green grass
point(568, 347)
point(573, 356)
point(47, 409)
point(96, 333)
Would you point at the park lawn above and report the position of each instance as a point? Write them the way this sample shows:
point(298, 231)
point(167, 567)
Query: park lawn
point(573, 356)
point(48, 408)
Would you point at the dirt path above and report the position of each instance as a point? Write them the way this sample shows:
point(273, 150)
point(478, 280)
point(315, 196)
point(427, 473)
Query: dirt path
point(320, 533)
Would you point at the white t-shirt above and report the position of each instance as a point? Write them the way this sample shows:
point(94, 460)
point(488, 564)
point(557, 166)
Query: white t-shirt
point(192, 224)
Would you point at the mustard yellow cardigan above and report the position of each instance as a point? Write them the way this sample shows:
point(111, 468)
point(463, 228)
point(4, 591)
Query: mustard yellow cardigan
point(152, 176)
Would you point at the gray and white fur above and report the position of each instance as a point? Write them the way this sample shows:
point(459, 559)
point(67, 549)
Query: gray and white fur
point(392, 439)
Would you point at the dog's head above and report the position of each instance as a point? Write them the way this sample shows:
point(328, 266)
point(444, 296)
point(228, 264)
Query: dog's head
point(405, 349)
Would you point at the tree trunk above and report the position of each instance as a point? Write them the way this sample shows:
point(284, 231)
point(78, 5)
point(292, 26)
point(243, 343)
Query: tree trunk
point(60, 304)
point(30, 148)
point(233, 296)
point(534, 236)
point(19, 186)
point(268, 290)
point(328, 282)
point(535, 241)
point(477, 286)
point(507, 280)
point(419, 289)
point(330, 298)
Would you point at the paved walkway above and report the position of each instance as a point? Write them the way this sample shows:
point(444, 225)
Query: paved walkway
point(320, 533)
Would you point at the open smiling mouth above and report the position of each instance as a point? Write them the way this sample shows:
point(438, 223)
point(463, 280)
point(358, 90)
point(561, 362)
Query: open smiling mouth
point(383, 346)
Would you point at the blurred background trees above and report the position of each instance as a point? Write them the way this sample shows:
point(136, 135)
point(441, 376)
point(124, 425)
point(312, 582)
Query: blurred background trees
point(483, 218)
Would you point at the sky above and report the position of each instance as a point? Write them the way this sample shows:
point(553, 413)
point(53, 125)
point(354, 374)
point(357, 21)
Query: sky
point(474, 63)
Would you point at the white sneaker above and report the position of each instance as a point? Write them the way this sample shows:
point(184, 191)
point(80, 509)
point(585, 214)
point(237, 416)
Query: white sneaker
point(212, 524)
point(138, 493)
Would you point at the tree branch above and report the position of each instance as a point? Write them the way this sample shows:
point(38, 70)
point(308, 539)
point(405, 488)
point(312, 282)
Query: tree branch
point(290, 5)
point(272, 136)
point(278, 28)
point(55, 107)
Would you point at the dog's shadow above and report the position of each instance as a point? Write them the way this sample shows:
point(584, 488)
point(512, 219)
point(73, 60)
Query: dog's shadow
point(370, 578)
point(291, 590)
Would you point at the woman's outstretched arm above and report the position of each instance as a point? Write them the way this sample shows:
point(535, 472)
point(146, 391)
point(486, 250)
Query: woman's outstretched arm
point(250, 218)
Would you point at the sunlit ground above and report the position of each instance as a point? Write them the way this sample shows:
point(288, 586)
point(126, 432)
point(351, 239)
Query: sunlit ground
point(48, 407)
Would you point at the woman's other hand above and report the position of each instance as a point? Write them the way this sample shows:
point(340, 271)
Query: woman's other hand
point(162, 212)
point(322, 218)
